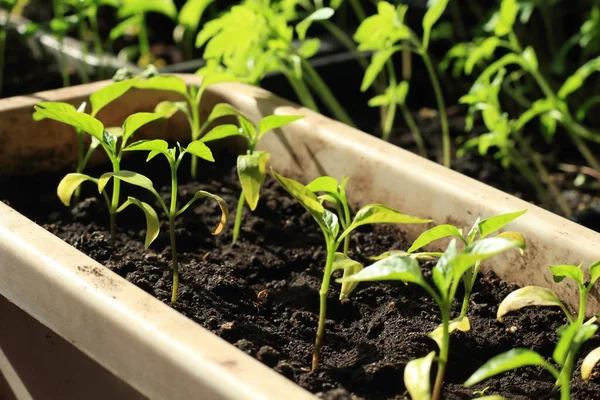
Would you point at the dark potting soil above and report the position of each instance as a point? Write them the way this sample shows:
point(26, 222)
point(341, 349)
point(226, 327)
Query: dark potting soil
point(261, 294)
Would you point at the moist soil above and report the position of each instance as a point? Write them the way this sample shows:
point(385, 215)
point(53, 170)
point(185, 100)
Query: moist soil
point(261, 293)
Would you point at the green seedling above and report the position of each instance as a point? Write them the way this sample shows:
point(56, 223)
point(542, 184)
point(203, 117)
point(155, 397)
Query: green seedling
point(98, 100)
point(334, 236)
point(192, 96)
point(386, 34)
point(252, 166)
point(133, 16)
point(111, 144)
point(188, 22)
point(174, 157)
point(448, 272)
point(255, 38)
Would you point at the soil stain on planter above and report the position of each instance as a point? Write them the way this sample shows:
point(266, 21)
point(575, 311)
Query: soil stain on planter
point(261, 294)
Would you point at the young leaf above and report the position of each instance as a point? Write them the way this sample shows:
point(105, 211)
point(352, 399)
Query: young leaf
point(442, 272)
point(571, 339)
point(395, 268)
point(506, 17)
point(170, 108)
point(102, 97)
point(136, 121)
point(460, 323)
point(52, 106)
point(378, 60)
point(222, 205)
point(525, 297)
point(221, 132)
point(130, 177)
point(484, 249)
point(191, 14)
point(561, 272)
point(433, 14)
point(81, 121)
point(324, 184)
point(417, 377)
point(156, 145)
point(318, 15)
point(492, 224)
point(164, 82)
point(589, 362)
point(439, 232)
point(512, 359)
point(380, 214)
point(122, 27)
point(301, 193)
point(594, 272)
point(152, 222)
point(69, 184)
point(199, 149)
point(252, 171)
point(350, 267)
point(131, 7)
point(274, 122)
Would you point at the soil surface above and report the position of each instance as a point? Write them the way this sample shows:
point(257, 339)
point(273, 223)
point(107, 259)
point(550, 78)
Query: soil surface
point(261, 294)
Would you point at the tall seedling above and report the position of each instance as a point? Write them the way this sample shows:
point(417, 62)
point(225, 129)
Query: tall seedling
point(334, 236)
point(252, 166)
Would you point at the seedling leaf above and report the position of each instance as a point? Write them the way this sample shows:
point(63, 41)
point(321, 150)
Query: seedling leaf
point(252, 171)
point(136, 121)
point(525, 297)
point(442, 272)
point(199, 149)
point(69, 184)
point(483, 249)
point(433, 14)
point(594, 272)
point(561, 272)
point(460, 323)
point(152, 222)
point(221, 132)
point(439, 232)
point(301, 193)
point(378, 61)
point(350, 267)
point(222, 205)
point(571, 338)
point(395, 268)
point(130, 177)
point(589, 362)
point(492, 224)
point(102, 97)
point(417, 377)
point(52, 106)
point(324, 184)
point(191, 13)
point(156, 145)
point(164, 82)
point(380, 214)
point(81, 121)
point(170, 108)
point(274, 122)
point(318, 15)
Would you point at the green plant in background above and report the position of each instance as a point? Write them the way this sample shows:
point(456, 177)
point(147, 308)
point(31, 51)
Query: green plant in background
point(111, 144)
point(452, 267)
point(255, 38)
point(188, 22)
point(133, 16)
point(174, 157)
point(192, 96)
point(252, 166)
point(572, 336)
point(334, 236)
point(386, 34)
point(553, 107)
point(7, 6)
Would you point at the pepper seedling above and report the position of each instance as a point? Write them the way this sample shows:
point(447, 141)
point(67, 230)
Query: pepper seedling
point(192, 98)
point(252, 166)
point(334, 236)
point(447, 274)
point(174, 157)
point(108, 141)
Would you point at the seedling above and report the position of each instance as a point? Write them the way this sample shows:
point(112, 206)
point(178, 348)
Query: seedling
point(109, 142)
point(156, 147)
point(192, 98)
point(386, 34)
point(572, 336)
point(334, 236)
point(252, 166)
point(449, 271)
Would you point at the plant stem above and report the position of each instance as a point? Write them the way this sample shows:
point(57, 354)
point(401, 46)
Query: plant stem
point(388, 122)
point(414, 129)
point(319, 86)
point(358, 10)
point(302, 92)
point(195, 128)
point(144, 41)
point(443, 357)
point(80, 161)
point(441, 107)
point(238, 217)
point(114, 204)
point(345, 40)
point(323, 305)
point(172, 214)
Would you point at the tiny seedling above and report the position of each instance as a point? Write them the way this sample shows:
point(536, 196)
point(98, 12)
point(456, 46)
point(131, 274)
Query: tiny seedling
point(334, 236)
point(448, 272)
point(252, 166)
point(174, 157)
point(572, 336)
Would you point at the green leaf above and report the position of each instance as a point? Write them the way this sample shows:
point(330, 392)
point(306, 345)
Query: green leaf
point(439, 232)
point(589, 362)
point(221, 132)
point(433, 14)
point(427, 256)
point(152, 222)
point(531, 59)
point(170, 108)
point(493, 224)
point(133, 178)
point(508, 361)
point(199, 149)
point(571, 339)
point(380, 214)
point(274, 122)
point(506, 17)
point(191, 14)
point(102, 97)
point(394, 268)
point(561, 272)
point(417, 377)
point(164, 82)
point(309, 48)
point(156, 145)
point(525, 297)
point(224, 109)
point(136, 121)
point(121, 28)
point(377, 63)
point(222, 205)
point(252, 171)
point(460, 323)
point(442, 272)
point(576, 81)
point(318, 15)
point(350, 267)
point(57, 106)
point(69, 184)
point(484, 51)
point(324, 184)
point(484, 249)
point(77, 120)
point(132, 7)
point(594, 272)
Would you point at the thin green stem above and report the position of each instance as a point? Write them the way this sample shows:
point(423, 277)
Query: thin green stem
point(143, 40)
point(437, 89)
point(346, 41)
point(388, 122)
point(358, 10)
point(114, 203)
point(321, 88)
point(80, 161)
point(302, 92)
point(196, 130)
point(443, 357)
point(522, 166)
point(582, 305)
point(238, 217)
point(323, 304)
point(414, 129)
point(172, 215)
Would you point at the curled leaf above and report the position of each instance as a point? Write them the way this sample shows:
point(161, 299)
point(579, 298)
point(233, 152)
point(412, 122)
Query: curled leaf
point(525, 297)
point(350, 267)
point(152, 222)
point(589, 362)
point(417, 377)
point(69, 184)
point(461, 323)
point(222, 205)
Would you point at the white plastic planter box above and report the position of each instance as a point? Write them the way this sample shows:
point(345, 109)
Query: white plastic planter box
point(152, 349)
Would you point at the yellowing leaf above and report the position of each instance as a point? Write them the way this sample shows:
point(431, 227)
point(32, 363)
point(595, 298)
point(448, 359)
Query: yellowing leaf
point(461, 323)
point(222, 205)
point(69, 184)
point(525, 297)
point(417, 377)
point(152, 222)
point(589, 362)
point(252, 171)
